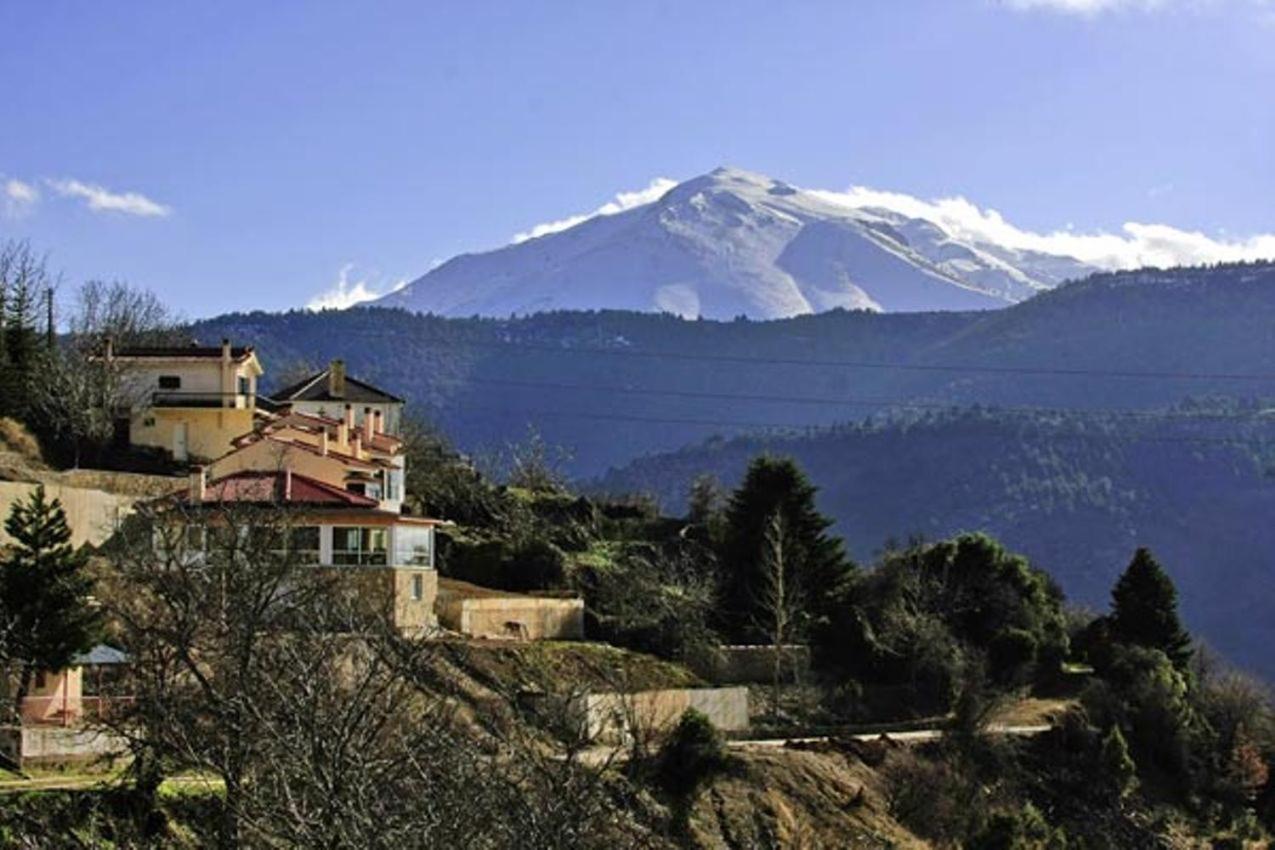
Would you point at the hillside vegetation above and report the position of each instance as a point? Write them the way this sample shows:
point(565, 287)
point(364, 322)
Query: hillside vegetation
point(1075, 494)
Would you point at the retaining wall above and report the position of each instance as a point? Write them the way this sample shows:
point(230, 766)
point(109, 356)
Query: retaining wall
point(519, 617)
point(58, 744)
point(614, 716)
point(92, 514)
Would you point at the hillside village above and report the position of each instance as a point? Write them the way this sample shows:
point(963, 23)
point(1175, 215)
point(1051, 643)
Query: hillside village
point(287, 618)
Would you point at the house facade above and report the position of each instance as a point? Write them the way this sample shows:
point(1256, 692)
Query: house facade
point(189, 401)
point(331, 392)
point(385, 554)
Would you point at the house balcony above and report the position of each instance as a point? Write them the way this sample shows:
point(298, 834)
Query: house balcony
point(179, 399)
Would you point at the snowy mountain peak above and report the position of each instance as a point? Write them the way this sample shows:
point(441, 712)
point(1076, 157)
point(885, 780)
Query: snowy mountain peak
point(735, 242)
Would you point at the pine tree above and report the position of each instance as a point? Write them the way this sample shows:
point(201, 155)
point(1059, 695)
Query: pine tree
point(1117, 765)
point(816, 561)
point(1145, 610)
point(45, 591)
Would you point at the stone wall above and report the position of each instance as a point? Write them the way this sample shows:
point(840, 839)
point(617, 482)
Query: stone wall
point(513, 616)
point(92, 514)
point(614, 717)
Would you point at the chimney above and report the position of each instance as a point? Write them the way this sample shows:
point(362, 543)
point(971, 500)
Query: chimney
point(349, 418)
point(356, 445)
point(198, 484)
point(342, 436)
point(109, 353)
point(225, 351)
point(323, 442)
point(367, 425)
point(336, 379)
point(378, 423)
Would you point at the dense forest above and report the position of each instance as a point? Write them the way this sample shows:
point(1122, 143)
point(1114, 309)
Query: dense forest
point(1073, 492)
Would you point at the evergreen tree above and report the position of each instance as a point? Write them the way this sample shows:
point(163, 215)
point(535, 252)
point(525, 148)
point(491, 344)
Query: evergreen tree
point(44, 591)
point(1145, 610)
point(1115, 762)
point(816, 561)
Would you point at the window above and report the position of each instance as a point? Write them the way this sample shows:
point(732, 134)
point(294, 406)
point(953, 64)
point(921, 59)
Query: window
point(245, 386)
point(170, 382)
point(412, 545)
point(304, 543)
point(418, 587)
point(362, 546)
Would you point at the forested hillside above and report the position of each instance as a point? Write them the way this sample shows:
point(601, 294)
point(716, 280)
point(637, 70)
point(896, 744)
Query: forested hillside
point(613, 386)
point(1075, 493)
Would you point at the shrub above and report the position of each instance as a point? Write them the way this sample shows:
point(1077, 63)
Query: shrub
point(693, 754)
point(1023, 830)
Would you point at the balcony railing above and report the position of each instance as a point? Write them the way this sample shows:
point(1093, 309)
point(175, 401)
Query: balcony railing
point(179, 398)
point(72, 711)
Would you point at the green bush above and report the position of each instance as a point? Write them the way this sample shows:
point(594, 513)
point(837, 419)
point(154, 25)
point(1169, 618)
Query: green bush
point(694, 753)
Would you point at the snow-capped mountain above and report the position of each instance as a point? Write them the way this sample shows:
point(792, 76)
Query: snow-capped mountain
point(732, 242)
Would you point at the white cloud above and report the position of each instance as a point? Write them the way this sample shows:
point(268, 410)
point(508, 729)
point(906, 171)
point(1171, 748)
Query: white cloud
point(1094, 8)
point(346, 293)
point(100, 199)
point(19, 197)
point(1137, 244)
point(623, 201)
point(1087, 8)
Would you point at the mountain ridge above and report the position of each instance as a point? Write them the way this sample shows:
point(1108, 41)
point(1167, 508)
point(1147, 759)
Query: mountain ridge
point(732, 242)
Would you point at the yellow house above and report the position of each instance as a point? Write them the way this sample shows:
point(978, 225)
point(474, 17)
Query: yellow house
point(192, 401)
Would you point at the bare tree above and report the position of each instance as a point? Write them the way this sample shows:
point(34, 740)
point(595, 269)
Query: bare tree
point(326, 727)
point(778, 605)
point(124, 314)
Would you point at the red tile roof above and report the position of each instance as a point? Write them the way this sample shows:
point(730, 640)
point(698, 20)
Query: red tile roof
point(254, 487)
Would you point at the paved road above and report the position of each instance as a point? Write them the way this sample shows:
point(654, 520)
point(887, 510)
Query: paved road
point(916, 736)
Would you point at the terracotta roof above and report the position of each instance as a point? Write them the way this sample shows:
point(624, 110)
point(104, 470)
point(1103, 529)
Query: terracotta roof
point(315, 388)
point(254, 487)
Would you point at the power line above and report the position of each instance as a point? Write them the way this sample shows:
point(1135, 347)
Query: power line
point(825, 429)
point(872, 402)
point(867, 364)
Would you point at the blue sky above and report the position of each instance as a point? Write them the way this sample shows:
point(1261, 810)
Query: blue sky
point(247, 155)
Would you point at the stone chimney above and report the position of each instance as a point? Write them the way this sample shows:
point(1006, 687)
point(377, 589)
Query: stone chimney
point(368, 425)
point(198, 484)
point(336, 379)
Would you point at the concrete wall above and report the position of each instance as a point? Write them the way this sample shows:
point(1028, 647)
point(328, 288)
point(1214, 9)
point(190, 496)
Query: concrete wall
point(614, 717)
point(514, 616)
point(395, 587)
point(92, 514)
point(28, 745)
point(743, 664)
